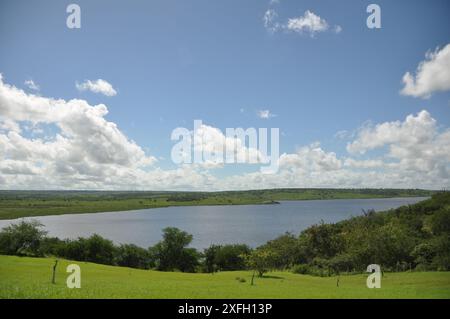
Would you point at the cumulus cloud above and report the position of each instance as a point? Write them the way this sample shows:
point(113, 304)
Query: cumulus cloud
point(309, 22)
point(414, 148)
point(88, 152)
point(310, 158)
point(32, 85)
point(97, 86)
point(414, 131)
point(432, 75)
point(411, 153)
point(217, 148)
point(87, 146)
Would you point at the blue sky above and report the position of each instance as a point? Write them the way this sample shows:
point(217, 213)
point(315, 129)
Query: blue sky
point(175, 61)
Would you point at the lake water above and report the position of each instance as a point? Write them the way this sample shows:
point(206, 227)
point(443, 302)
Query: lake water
point(249, 224)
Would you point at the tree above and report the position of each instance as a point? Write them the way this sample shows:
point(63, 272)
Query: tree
point(287, 250)
point(230, 257)
point(172, 252)
point(94, 249)
point(23, 238)
point(260, 260)
point(132, 256)
point(440, 221)
point(100, 250)
point(209, 255)
point(324, 240)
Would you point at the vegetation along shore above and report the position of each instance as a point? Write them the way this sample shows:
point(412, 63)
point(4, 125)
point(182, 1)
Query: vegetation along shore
point(410, 243)
point(16, 204)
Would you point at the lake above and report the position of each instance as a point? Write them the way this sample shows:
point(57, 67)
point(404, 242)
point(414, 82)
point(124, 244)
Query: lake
point(249, 224)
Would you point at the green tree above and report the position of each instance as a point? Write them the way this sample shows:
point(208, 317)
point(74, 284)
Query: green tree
point(324, 240)
point(260, 260)
point(94, 249)
point(172, 252)
point(209, 261)
point(130, 255)
point(23, 238)
point(100, 250)
point(286, 249)
point(230, 257)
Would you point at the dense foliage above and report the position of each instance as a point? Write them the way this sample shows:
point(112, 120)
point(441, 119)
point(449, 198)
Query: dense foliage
point(409, 237)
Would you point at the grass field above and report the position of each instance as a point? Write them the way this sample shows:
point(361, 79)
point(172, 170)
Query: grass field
point(23, 277)
point(16, 204)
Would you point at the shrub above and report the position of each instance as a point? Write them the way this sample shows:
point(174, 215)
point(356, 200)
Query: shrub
point(133, 256)
point(226, 257)
point(95, 249)
point(302, 269)
point(23, 238)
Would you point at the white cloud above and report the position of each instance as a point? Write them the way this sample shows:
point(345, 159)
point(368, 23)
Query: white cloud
point(432, 75)
point(342, 134)
point(415, 149)
point(87, 146)
point(310, 158)
point(309, 23)
point(269, 19)
point(89, 152)
point(411, 153)
point(97, 86)
point(31, 85)
point(265, 114)
point(414, 131)
point(213, 141)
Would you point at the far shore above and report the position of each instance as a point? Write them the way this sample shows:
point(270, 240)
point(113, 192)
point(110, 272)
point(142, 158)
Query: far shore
point(18, 204)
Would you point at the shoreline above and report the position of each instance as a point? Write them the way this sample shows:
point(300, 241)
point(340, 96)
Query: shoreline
point(200, 204)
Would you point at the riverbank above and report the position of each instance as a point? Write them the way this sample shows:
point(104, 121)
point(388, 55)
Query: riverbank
point(17, 204)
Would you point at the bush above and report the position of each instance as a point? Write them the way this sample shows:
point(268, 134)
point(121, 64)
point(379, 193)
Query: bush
point(209, 258)
point(226, 257)
point(23, 239)
point(95, 249)
point(52, 246)
point(313, 270)
point(441, 260)
point(287, 251)
point(302, 269)
point(133, 256)
point(440, 221)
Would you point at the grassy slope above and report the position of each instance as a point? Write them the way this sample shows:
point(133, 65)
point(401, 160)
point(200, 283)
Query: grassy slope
point(22, 277)
point(16, 204)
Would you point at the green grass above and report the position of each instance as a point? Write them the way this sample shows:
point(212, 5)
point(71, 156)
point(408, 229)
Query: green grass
point(23, 277)
point(16, 204)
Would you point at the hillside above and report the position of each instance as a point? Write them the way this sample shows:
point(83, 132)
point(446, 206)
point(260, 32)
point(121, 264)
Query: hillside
point(23, 277)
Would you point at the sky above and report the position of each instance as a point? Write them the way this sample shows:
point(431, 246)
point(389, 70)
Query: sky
point(94, 107)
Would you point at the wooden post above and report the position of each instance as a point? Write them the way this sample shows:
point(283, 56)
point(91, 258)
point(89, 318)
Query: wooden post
point(54, 272)
point(253, 276)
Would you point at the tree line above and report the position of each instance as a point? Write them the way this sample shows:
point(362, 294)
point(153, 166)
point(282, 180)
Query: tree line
point(414, 237)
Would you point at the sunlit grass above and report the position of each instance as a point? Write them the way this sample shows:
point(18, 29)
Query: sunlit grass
point(22, 277)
